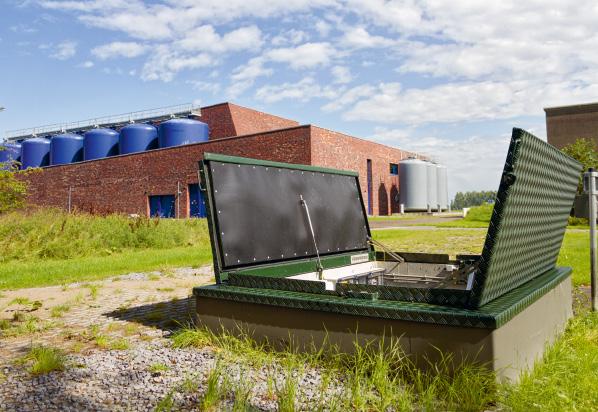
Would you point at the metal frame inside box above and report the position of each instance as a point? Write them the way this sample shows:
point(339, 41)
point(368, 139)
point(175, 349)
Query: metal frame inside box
point(250, 201)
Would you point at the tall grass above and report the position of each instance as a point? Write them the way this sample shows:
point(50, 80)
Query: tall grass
point(55, 234)
point(375, 376)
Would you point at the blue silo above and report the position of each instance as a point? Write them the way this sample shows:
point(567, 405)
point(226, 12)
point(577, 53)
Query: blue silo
point(138, 137)
point(177, 132)
point(35, 152)
point(99, 143)
point(10, 154)
point(66, 148)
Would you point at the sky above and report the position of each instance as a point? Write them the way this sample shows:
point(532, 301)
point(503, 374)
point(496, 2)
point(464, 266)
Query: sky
point(446, 79)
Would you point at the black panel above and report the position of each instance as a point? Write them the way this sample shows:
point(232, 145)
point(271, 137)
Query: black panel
point(260, 219)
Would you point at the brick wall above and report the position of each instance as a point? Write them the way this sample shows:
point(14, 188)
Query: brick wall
point(227, 119)
point(336, 150)
point(564, 129)
point(219, 119)
point(249, 121)
point(123, 183)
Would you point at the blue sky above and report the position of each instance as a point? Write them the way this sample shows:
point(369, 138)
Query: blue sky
point(447, 79)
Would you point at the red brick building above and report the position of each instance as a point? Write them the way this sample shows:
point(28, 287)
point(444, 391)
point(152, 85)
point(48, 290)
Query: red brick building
point(128, 183)
point(566, 124)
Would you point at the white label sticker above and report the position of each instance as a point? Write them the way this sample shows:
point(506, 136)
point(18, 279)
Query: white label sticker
point(364, 257)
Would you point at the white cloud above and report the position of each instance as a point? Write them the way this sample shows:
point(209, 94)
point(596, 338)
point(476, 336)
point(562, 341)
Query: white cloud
point(473, 162)
point(291, 36)
point(205, 38)
point(466, 101)
point(119, 49)
point(88, 64)
point(359, 38)
point(210, 87)
point(349, 97)
point(164, 64)
point(323, 28)
point(341, 74)
point(307, 55)
point(64, 50)
point(304, 90)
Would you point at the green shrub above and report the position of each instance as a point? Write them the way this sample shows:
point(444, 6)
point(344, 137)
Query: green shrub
point(578, 221)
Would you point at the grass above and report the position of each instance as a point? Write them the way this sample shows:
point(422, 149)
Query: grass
point(59, 310)
point(380, 377)
point(55, 234)
point(575, 251)
point(51, 247)
point(45, 359)
point(376, 376)
point(567, 377)
point(27, 274)
point(158, 368)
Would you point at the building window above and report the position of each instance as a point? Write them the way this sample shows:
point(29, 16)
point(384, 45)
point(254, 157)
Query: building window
point(394, 169)
point(162, 206)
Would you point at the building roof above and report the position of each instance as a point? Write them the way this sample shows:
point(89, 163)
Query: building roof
point(573, 109)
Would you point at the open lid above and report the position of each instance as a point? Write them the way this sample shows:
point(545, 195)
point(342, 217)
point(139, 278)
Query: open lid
point(256, 216)
point(530, 215)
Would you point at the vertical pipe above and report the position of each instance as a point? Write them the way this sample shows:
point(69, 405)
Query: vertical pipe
point(178, 199)
point(591, 185)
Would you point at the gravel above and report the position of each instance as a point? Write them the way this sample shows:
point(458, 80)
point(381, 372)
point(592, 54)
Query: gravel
point(124, 381)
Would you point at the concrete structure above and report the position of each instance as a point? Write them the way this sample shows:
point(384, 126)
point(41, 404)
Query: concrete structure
point(125, 183)
point(566, 124)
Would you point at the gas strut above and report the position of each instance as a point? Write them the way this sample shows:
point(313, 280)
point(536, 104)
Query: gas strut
point(319, 267)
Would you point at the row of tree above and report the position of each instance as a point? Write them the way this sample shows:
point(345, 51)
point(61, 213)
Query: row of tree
point(469, 199)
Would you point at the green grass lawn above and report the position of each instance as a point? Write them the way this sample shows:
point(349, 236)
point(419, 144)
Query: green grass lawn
point(28, 274)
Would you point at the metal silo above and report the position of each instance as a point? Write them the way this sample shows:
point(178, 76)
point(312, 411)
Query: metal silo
point(66, 148)
point(413, 185)
point(10, 154)
point(432, 186)
point(137, 137)
point(177, 132)
point(442, 194)
point(35, 152)
point(99, 143)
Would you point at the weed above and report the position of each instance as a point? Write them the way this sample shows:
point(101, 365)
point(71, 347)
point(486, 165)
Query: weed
point(158, 368)
point(101, 341)
point(59, 310)
point(93, 290)
point(165, 289)
point(166, 404)
point(286, 395)
point(153, 277)
point(167, 272)
point(45, 359)
point(189, 384)
point(119, 344)
point(216, 387)
point(241, 393)
point(18, 316)
point(20, 301)
point(4, 324)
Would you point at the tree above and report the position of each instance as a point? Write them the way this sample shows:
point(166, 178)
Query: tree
point(469, 199)
point(584, 151)
point(13, 192)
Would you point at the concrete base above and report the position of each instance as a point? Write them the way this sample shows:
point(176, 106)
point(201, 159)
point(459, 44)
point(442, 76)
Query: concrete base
point(508, 350)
